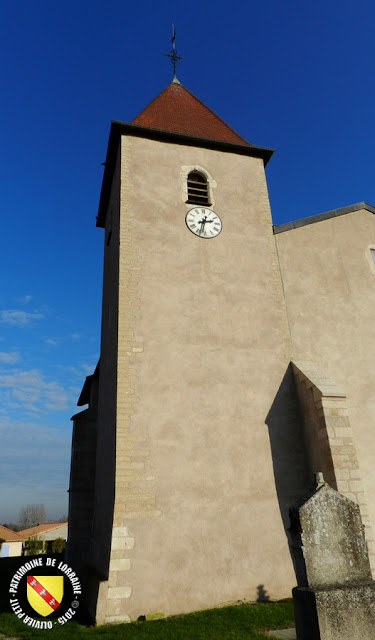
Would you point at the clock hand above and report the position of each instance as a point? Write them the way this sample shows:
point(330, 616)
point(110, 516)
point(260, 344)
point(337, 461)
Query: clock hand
point(202, 223)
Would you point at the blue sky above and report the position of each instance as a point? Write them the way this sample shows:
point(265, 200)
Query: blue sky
point(295, 76)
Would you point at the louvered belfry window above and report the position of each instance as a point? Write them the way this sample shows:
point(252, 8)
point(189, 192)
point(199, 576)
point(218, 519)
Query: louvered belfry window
point(197, 187)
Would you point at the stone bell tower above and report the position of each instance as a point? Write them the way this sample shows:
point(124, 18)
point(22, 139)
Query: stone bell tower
point(172, 501)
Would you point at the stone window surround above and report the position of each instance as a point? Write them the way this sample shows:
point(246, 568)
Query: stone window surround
point(211, 183)
point(370, 256)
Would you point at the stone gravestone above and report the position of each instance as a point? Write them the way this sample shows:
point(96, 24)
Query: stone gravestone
point(335, 596)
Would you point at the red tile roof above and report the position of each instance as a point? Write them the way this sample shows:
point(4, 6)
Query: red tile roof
point(42, 527)
point(176, 109)
point(8, 535)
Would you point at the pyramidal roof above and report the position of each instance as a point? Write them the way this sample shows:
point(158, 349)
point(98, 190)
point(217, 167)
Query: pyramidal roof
point(175, 116)
point(176, 109)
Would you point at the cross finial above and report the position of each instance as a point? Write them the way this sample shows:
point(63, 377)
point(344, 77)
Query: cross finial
point(173, 55)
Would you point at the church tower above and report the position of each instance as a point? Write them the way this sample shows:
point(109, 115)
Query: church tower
point(173, 504)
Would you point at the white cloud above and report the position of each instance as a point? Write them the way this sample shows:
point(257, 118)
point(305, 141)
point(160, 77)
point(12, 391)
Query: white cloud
point(18, 318)
point(51, 342)
point(30, 390)
point(81, 369)
point(75, 390)
point(88, 368)
point(9, 358)
point(25, 299)
point(34, 466)
point(75, 336)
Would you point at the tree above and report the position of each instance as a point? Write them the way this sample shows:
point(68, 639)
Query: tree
point(58, 545)
point(31, 515)
point(11, 525)
point(34, 546)
point(63, 518)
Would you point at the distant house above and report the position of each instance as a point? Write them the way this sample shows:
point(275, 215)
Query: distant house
point(47, 531)
point(11, 542)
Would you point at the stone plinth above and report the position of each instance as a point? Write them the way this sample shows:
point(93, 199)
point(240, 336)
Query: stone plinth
point(335, 597)
point(346, 613)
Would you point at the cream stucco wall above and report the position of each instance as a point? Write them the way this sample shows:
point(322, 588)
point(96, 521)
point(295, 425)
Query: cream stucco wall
point(203, 346)
point(59, 532)
point(329, 284)
point(10, 549)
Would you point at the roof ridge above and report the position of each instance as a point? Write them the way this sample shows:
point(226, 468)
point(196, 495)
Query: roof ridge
point(216, 116)
point(10, 533)
point(320, 217)
point(45, 525)
point(151, 102)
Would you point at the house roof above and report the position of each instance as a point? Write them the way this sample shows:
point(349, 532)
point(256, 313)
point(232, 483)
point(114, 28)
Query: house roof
point(288, 226)
point(175, 116)
point(42, 527)
point(176, 109)
point(8, 535)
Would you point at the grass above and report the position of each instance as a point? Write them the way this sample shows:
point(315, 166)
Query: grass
point(242, 622)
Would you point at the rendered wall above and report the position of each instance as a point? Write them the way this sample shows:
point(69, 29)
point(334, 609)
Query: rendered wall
point(203, 348)
point(330, 444)
point(329, 284)
point(14, 548)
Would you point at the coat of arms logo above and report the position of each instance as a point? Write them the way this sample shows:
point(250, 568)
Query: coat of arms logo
point(44, 593)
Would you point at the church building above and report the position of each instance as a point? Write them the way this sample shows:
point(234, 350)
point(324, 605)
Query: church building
point(235, 361)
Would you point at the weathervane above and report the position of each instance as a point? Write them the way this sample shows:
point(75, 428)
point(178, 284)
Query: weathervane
point(173, 55)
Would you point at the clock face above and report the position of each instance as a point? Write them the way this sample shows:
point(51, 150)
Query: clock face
point(203, 222)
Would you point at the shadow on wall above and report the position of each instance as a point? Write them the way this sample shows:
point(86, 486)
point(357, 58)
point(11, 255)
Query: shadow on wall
point(262, 594)
point(291, 468)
